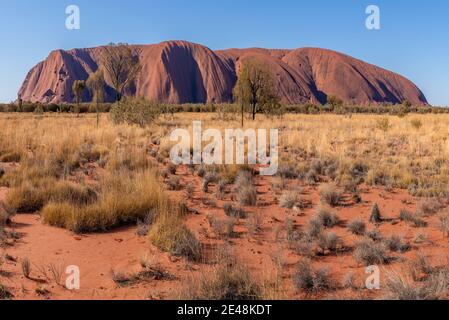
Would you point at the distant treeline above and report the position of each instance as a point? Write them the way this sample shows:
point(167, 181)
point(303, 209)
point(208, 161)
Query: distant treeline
point(228, 108)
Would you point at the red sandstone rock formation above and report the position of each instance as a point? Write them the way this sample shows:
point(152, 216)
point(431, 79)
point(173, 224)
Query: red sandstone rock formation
point(183, 72)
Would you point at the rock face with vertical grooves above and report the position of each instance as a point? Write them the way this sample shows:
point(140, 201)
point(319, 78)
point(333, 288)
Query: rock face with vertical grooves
point(184, 72)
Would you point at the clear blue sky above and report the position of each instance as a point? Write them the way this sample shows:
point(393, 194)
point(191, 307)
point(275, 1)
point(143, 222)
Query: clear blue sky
point(413, 40)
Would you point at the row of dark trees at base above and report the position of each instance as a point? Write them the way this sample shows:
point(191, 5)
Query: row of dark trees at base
point(234, 109)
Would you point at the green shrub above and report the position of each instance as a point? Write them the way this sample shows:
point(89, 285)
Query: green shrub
point(135, 111)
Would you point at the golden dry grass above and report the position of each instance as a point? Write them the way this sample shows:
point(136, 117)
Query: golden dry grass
point(170, 234)
point(87, 179)
point(122, 198)
point(396, 155)
point(55, 172)
point(378, 150)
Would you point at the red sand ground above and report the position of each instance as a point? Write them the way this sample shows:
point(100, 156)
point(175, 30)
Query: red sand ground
point(121, 249)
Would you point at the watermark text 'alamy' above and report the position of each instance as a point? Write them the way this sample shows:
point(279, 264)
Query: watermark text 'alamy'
point(234, 139)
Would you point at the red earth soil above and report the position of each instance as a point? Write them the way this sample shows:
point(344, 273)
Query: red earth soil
point(121, 250)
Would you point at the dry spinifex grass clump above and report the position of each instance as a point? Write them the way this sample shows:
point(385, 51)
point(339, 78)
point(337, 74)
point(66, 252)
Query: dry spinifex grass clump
point(401, 285)
point(369, 253)
point(31, 197)
point(330, 194)
point(170, 234)
point(122, 198)
point(227, 280)
point(54, 150)
point(313, 280)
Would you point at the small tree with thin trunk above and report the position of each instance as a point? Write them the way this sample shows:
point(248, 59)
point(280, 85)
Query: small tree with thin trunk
point(121, 67)
point(96, 84)
point(255, 88)
point(78, 90)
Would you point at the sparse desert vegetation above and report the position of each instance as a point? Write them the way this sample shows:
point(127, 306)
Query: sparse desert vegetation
point(351, 191)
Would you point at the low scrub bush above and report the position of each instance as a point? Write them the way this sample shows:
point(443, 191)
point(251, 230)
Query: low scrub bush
point(150, 272)
point(254, 223)
point(287, 171)
point(303, 247)
point(201, 171)
point(370, 253)
point(289, 199)
point(330, 194)
point(326, 218)
point(207, 180)
point(247, 195)
point(396, 244)
point(170, 234)
point(222, 228)
point(328, 242)
point(420, 267)
point(375, 235)
point(221, 189)
point(350, 281)
point(174, 183)
point(402, 287)
point(143, 226)
point(312, 280)
point(228, 281)
point(412, 218)
point(136, 111)
point(171, 168)
point(376, 216)
point(430, 206)
point(314, 228)
point(244, 178)
point(357, 227)
point(190, 191)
